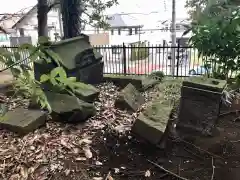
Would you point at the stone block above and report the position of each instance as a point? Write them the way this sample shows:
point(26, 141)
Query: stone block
point(122, 81)
point(92, 74)
point(87, 92)
point(152, 123)
point(129, 98)
point(70, 108)
point(200, 105)
point(149, 82)
point(22, 120)
point(210, 84)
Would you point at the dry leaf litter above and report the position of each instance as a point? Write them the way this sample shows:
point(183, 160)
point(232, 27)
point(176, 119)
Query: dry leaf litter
point(43, 153)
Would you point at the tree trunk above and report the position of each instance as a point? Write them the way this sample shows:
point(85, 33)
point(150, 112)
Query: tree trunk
point(42, 17)
point(71, 13)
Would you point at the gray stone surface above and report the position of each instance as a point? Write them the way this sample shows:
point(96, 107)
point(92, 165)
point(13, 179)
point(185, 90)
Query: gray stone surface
point(201, 100)
point(149, 82)
point(87, 93)
point(92, 74)
point(122, 81)
point(152, 123)
point(22, 120)
point(70, 108)
point(129, 98)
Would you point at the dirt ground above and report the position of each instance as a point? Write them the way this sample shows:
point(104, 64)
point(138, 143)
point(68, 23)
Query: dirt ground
point(130, 158)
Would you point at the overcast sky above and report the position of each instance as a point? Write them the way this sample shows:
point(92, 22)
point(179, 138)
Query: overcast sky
point(126, 6)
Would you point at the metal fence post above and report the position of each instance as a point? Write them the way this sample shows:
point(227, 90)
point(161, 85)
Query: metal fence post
point(178, 56)
point(124, 60)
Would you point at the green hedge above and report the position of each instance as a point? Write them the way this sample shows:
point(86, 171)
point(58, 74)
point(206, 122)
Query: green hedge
point(139, 53)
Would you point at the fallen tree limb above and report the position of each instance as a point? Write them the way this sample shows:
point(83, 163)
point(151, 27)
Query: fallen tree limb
point(167, 171)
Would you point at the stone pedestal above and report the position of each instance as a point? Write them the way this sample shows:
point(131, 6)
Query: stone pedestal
point(200, 105)
point(92, 74)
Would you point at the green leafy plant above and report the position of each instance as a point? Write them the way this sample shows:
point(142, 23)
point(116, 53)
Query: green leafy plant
point(25, 83)
point(217, 38)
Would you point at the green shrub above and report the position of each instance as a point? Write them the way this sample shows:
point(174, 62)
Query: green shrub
point(139, 53)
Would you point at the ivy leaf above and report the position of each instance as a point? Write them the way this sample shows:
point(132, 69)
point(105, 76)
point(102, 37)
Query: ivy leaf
point(56, 58)
point(44, 78)
point(72, 79)
point(57, 72)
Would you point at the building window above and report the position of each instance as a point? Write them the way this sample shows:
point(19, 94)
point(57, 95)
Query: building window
point(178, 27)
point(21, 32)
point(136, 30)
point(166, 27)
point(119, 31)
point(112, 31)
point(130, 31)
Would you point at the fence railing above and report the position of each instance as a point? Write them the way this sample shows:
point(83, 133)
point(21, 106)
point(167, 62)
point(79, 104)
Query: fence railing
point(128, 59)
point(142, 60)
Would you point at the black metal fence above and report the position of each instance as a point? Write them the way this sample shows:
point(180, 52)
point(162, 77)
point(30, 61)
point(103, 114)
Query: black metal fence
point(144, 59)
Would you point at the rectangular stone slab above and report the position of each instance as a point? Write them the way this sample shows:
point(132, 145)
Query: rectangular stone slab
point(199, 110)
point(152, 123)
point(86, 92)
point(122, 80)
point(23, 121)
point(92, 74)
point(205, 83)
point(129, 98)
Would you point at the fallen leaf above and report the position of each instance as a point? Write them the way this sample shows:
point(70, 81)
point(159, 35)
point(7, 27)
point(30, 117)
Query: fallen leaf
point(24, 172)
point(116, 170)
point(147, 173)
point(67, 172)
point(109, 177)
point(81, 159)
point(97, 178)
point(98, 163)
point(85, 141)
point(14, 177)
point(88, 152)
point(65, 144)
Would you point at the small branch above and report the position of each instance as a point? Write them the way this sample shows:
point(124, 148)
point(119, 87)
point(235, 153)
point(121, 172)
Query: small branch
point(167, 171)
point(211, 154)
point(213, 169)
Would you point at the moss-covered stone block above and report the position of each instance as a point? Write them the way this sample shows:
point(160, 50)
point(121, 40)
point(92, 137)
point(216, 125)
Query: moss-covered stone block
point(200, 105)
point(205, 83)
point(70, 109)
point(129, 98)
point(152, 123)
point(78, 59)
point(87, 92)
point(149, 82)
point(122, 81)
point(23, 121)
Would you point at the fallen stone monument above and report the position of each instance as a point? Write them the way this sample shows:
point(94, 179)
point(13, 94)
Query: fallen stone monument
point(78, 58)
point(129, 98)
